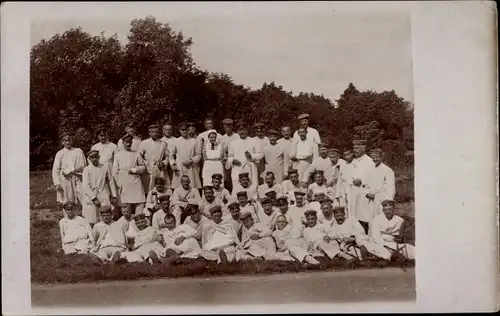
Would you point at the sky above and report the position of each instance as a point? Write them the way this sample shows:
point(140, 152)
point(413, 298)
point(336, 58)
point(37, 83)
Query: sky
point(315, 51)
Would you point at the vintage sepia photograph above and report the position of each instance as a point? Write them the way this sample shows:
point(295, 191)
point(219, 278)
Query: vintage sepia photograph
point(232, 159)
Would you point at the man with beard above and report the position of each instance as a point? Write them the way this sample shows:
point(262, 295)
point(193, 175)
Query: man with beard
point(312, 134)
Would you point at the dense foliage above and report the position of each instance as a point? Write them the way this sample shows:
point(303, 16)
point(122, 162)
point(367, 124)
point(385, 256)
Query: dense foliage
point(79, 82)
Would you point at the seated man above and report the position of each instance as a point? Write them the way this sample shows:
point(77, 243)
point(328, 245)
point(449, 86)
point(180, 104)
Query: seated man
point(181, 197)
point(179, 240)
point(110, 238)
point(256, 241)
point(315, 204)
point(196, 220)
point(220, 192)
point(386, 231)
point(247, 186)
point(158, 217)
point(294, 218)
point(326, 216)
point(319, 237)
point(267, 214)
point(234, 218)
point(352, 239)
point(269, 185)
point(318, 186)
point(76, 234)
point(288, 248)
point(152, 200)
point(246, 205)
point(146, 245)
point(291, 185)
point(208, 201)
point(128, 223)
point(219, 240)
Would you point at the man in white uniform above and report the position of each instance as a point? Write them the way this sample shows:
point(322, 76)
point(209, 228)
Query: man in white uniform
point(227, 139)
point(303, 153)
point(185, 159)
point(106, 149)
point(312, 134)
point(261, 141)
point(168, 137)
point(131, 130)
point(320, 162)
point(291, 185)
point(286, 143)
point(155, 153)
point(270, 185)
point(76, 233)
point(274, 155)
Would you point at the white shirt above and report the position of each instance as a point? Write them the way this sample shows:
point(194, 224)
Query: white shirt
point(107, 152)
point(312, 134)
point(383, 230)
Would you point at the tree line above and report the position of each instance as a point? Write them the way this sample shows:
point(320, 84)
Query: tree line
point(79, 82)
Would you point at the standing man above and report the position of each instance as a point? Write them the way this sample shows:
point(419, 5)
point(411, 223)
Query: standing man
point(363, 166)
point(312, 134)
point(185, 158)
point(286, 143)
point(192, 130)
point(345, 182)
point(320, 162)
point(203, 136)
point(261, 141)
point(155, 153)
point(98, 187)
point(106, 149)
point(303, 153)
point(227, 139)
point(168, 137)
point(66, 172)
point(131, 130)
point(274, 157)
point(127, 169)
point(243, 156)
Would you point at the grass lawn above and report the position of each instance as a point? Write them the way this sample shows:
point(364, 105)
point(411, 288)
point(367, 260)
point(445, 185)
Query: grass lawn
point(49, 266)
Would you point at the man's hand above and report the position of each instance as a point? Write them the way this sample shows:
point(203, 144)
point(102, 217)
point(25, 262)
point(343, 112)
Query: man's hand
point(96, 202)
point(254, 237)
point(248, 155)
point(113, 200)
point(156, 207)
point(236, 162)
point(58, 187)
point(370, 196)
point(132, 170)
point(326, 239)
point(161, 165)
point(357, 182)
point(179, 240)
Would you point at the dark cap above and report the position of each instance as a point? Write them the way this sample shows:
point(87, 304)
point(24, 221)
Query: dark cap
point(217, 176)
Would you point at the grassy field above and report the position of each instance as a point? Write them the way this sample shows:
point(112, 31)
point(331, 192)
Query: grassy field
point(49, 266)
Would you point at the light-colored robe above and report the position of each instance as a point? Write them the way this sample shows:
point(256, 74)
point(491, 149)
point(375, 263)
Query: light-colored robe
point(237, 151)
point(264, 188)
point(222, 195)
point(264, 247)
point(312, 135)
point(288, 247)
point(289, 190)
point(110, 238)
point(319, 163)
point(383, 230)
point(305, 151)
point(251, 191)
point(217, 237)
point(185, 149)
point(158, 219)
point(274, 158)
point(314, 237)
point(205, 206)
point(196, 225)
point(76, 235)
point(180, 199)
point(344, 191)
point(268, 220)
point(129, 226)
point(294, 219)
point(362, 169)
point(154, 151)
point(107, 152)
point(145, 241)
point(136, 142)
point(189, 247)
point(97, 183)
point(130, 186)
point(381, 183)
point(152, 198)
point(66, 161)
point(212, 161)
point(286, 144)
point(250, 208)
point(237, 224)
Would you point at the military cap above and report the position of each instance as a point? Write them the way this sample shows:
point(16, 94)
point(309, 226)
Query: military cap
point(303, 116)
point(93, 152)
point(245, 216)
point(227, 121)
point(310, 212)
point(215, 208)
point(105, 209)
point(217, 176)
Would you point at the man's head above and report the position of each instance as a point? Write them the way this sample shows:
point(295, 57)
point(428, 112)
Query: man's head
point(267, 205)
point(303, 120)
point(208, 193)
point(130, 129)
point(170, 221)
point(339, 214)
point(168, 130)
point(127, 210)
point(106, 215)
point(348, 155)
point(302, 132)
point(160, 184)
point(208, 123)
point(154, 131)
point(141, 221)
point(70, 207)
point(242, 130)
point(359, 147)
point(93, 157)
point(242, 197)
point(286, 131)
point(102, 135)
point(388, 207)
point(319, 177)
point(216, 213)
point(127, 142)
point(183, 130)
point(323, 150)
point(67, 141)
point(319, 196)
point(196, 215)
point(273, 136)
point(247, 219)
point(270, 178)
point(234, 209)
point(259, 130)
point(164, 201)
point(272, 195)
point(377, 156)
point(185, 182)
point(299, 198)
point(333, 154)
point(191, 130)
point(244, 179)
point(311, 218)
point(281, 222)
point(217, 180)
point(293, 175)
point(326, 207)
point(227, 124)
point(283, 204)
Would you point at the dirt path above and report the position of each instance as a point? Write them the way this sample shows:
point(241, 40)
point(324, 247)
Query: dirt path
point(312, 287)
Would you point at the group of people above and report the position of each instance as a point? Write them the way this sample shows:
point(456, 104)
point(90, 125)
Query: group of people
point(226, 197)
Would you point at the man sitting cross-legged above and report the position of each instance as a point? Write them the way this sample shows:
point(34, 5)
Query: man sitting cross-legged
point(219, 238)
point(289, 248)
point(319, 237)
point(179, 240)
point(350, 235)
point(76, 234)
point(146, 245)
point(386, 231)
point(110, 238)
point(256, 241)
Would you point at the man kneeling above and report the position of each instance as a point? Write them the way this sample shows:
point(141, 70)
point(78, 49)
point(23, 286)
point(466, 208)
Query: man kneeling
point(352, 239)
point(256, 241)
point(319, 237)
point(179, 240)
point(146, 246)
